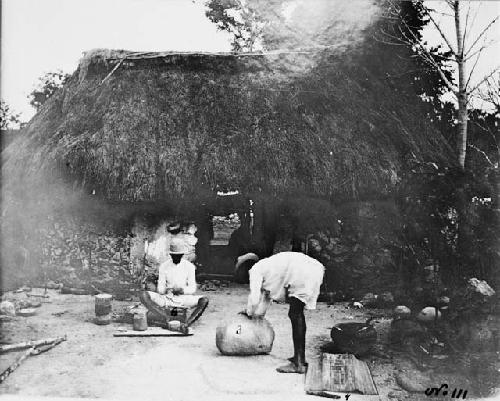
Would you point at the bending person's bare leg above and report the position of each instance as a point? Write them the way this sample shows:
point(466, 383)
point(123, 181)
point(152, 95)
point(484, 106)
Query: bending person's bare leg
point(298, 361)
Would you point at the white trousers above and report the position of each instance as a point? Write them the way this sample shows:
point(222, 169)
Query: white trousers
point(185, 301)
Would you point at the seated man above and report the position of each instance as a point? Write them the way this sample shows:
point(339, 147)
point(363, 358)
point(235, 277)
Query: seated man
point(292, 277)
point(176, 288)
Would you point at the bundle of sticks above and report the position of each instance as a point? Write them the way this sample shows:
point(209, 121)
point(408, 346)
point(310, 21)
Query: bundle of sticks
point(33, 348)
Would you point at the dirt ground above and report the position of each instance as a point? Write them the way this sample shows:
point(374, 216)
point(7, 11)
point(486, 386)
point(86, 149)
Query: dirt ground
point(94, 364)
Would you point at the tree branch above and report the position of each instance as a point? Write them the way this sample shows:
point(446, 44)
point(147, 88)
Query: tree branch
point(480, 49)
point(427, 57)
point(466, 25)
point(490, 133)
point(483, 80)
point(483, 32)
point(484, 154)
point(438, 27)
point(474, 67)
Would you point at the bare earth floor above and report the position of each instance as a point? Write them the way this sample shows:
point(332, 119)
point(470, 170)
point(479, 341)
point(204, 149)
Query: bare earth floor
point(94, 364)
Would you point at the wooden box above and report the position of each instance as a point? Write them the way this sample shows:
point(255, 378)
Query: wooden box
point(177, 313)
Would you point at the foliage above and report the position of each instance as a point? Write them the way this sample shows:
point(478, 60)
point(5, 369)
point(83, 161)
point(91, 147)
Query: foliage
point(430, 234)
point(46, 86)
point(428, 83)
point(463, 50)
point(238, 19)
point(8, 118)
point(484, 142)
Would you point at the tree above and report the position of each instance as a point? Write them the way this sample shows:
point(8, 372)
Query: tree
point(410, 20)
point(239, 19)
point(490, 93)
point(254, 24)
point(460, 50)
point(47, 85)
point(8, 118)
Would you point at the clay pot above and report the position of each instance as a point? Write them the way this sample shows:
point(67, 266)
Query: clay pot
point(353, 338)
point(244, 336)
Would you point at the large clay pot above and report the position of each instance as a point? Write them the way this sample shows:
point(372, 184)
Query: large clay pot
point(353, 338)
point(244, 336)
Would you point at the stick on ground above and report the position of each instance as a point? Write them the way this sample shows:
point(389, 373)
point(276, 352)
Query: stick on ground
point(30, 344)
point(44, 346)
point(15, 365)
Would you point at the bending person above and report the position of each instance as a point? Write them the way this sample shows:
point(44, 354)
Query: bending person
point(292, 277)
point(176, 288)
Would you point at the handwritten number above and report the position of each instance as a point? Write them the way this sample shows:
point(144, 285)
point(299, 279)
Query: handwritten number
point(431, 390)
point(454, 394)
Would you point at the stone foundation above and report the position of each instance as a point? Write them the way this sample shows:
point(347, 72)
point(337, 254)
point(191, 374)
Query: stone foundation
point(359, 248)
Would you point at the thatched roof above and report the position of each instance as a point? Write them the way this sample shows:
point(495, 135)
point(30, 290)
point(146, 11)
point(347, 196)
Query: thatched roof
point(148, 126)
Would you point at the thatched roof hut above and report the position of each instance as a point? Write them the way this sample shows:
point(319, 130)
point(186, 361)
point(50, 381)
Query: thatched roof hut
point(146, 130)
point(148, 126)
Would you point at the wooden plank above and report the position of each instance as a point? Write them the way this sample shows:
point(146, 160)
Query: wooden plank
point(314, 376)
point(150, 332)
point(335, 375)
point(364, 380)
point(338, 374)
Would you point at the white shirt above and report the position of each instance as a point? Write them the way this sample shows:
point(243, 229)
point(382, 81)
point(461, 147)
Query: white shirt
point(181, 275)
point(293, 272)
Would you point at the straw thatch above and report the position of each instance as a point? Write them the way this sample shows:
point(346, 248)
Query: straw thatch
point(148, 126)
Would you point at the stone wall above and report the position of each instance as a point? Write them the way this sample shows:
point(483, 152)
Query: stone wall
point(149, 244)
point(361, 254)
point(65, 249)
point(357, 242)
point(359, 247)
point(79, 253)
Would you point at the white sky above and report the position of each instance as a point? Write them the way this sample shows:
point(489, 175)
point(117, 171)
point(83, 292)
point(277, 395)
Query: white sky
point(40, 36)
point(480, 15)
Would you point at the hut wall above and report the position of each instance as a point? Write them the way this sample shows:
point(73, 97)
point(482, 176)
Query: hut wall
point(79, 253)
point(149, 245)
point(357, 242)
point(361, 254)
point(70, 250)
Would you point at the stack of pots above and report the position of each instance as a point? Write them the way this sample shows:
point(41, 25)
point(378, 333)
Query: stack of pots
point(103, 309)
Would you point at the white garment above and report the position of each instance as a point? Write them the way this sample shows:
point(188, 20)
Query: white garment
point(170, 300)
point(172, 276)
point(181, 275)
point(292, 273)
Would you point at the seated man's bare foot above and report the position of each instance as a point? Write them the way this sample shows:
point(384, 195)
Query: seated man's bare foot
point(292, 368)
point(185, 329)
point(179, 328)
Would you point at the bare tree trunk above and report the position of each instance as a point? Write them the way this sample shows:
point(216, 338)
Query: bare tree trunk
point(496, 214)
point(462, 88)
point(462, 203)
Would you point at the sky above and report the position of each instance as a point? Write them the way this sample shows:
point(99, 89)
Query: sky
point(40, 36)
point(480, 13)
